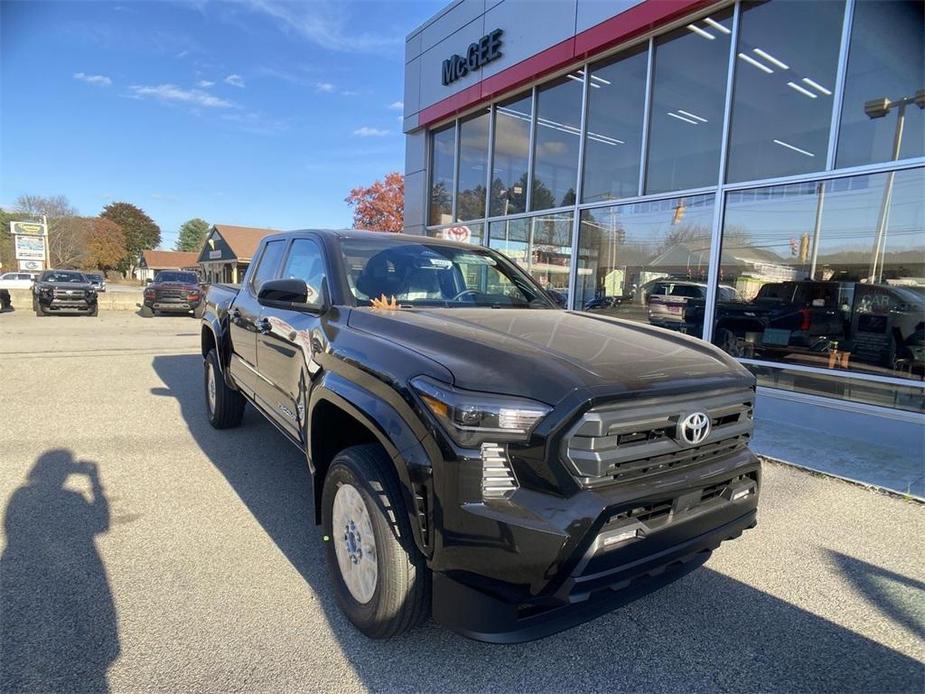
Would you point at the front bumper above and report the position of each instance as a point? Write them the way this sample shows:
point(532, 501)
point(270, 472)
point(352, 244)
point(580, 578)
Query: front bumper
point(172, 306)
point(536, 563)
point(67, 304)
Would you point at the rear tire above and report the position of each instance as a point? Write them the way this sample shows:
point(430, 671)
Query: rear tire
point(224, 405)
point(392, 596)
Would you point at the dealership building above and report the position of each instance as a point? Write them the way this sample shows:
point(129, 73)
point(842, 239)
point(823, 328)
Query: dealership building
point(752, 173)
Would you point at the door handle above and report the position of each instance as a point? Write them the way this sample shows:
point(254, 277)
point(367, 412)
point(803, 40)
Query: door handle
point(263, 326)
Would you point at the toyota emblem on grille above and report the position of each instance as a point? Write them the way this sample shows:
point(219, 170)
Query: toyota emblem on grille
point(694, 428)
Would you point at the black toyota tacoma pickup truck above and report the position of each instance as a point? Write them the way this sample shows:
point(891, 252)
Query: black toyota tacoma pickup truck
point(477, 452)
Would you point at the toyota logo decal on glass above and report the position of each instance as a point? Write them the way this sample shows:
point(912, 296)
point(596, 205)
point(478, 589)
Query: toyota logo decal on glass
point(694, 428)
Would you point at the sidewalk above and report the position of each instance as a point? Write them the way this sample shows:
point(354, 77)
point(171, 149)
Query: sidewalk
point(822, 440)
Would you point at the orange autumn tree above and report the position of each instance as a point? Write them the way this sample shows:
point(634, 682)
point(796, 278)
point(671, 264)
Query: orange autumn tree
point(105, 244)
point(380, 207)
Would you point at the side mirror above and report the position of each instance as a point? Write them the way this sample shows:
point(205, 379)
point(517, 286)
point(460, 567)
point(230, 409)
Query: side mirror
point(148, 281)
point(290, 294)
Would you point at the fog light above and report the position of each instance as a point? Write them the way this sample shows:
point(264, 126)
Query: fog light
point(497, 477)
point(630, 534)
point(741, 493)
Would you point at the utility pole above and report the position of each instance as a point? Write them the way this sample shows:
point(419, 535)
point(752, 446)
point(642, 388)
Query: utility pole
point(878, 108)
point(47, 244)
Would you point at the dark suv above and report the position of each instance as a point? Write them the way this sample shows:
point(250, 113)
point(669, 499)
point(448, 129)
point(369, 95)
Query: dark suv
point(476, 451)
point(64, 291)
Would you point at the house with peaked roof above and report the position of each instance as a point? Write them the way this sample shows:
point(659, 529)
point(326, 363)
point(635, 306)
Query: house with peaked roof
point(228, 251)
point(153, 261)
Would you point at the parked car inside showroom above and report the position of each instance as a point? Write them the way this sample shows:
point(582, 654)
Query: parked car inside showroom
point(62, 292)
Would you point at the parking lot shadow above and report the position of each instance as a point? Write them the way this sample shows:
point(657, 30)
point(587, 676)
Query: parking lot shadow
point(58, 629)
point(707, 632)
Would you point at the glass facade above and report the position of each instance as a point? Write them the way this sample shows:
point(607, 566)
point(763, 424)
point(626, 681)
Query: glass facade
point(473, 166)
point(511, 152)
point(641, 260)
point(555, 151)
point(828, 274)
point(884, 61)
point(688, 94)
point(541, 245)
point(785, 75)
point(613, 141)
point(442, 163)
point(784, 220)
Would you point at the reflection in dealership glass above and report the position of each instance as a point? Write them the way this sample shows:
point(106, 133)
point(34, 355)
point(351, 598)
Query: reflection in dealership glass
point(832, 274)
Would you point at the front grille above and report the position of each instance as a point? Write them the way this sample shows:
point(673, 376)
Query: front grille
point(629, 441)
point(177, 295)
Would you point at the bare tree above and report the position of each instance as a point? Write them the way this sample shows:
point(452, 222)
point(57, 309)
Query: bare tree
point(67, 243)
point(66, 233)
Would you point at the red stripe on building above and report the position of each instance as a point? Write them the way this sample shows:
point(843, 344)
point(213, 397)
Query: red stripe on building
point(635, 21)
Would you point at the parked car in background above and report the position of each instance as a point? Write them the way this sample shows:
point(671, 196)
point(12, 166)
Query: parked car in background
point(172, 291)
point(17, 280)
point(97, 279)
point(64, 291)
point(474, 449)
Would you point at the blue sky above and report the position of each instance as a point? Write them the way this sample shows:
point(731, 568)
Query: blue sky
point(258, 113)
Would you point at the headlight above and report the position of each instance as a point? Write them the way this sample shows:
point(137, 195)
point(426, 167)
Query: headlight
point(471, 418)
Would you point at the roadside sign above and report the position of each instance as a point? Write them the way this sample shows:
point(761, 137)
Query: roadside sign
point(31, 265)
point(28, 228)
point(29, 247)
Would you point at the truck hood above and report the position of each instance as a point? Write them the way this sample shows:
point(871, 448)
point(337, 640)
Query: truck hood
point(547, 354)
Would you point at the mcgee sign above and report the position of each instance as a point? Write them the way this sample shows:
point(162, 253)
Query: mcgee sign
point(480, 53)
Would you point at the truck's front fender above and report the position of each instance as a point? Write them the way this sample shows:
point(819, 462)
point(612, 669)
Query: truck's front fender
point(382, 417)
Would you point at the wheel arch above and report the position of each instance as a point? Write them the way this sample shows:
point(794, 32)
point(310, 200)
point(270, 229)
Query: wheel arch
point(342, 414)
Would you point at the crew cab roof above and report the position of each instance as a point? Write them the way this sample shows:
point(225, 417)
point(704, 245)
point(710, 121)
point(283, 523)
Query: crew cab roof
point(364, 234)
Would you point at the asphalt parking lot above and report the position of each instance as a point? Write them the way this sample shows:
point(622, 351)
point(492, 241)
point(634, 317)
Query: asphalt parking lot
point(194, 565)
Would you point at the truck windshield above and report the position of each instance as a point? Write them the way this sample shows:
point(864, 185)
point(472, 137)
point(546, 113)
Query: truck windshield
point(59, 276)
point(434, 275)
point(183, 277)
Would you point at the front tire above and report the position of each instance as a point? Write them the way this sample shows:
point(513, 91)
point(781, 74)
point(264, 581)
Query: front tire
point(224, 405)
point(380, 579)
point(95, 311)
point(146, 311)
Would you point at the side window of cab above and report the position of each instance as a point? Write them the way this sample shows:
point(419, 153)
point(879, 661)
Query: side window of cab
point(305, 262)
point(268, 264)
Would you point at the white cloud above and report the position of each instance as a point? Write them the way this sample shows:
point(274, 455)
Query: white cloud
point(367, 131)
point(397, 106)
point(170, 93)
point(235, 81)
point(325, 87)
point(326, 24)
point(349, 92)
point(205, 84)
point(98, 80)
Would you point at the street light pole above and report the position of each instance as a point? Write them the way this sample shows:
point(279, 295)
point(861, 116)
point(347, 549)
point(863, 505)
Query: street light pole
point(878, 108)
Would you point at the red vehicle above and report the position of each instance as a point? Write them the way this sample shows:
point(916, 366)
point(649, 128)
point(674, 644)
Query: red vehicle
point(173, 292)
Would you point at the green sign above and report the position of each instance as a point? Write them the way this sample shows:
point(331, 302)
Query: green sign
point(27, 228)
